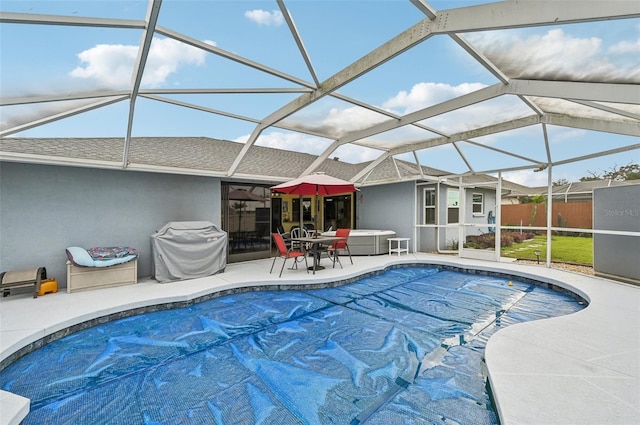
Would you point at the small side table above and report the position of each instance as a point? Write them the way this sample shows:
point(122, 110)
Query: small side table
point(395, 245)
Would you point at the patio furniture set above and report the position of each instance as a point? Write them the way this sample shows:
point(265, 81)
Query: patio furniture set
point(303, 246)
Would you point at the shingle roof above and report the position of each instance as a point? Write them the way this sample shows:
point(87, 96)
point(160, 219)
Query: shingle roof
point(206, 156)
point(198, 155)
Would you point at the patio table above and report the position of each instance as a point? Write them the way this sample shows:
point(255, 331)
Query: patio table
point(315, 248)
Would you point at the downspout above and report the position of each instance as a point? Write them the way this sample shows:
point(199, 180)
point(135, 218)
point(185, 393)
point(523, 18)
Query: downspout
point(438, 202)
point(462, 193)
point(438, 216)
point(498, 223)
point(415, 216)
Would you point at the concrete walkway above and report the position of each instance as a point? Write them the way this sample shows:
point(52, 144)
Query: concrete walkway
point(583, 368)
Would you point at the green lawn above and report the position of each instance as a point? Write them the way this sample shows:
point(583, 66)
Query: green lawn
point(564, 249)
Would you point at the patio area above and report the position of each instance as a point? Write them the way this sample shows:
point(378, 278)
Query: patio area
point(582, 368)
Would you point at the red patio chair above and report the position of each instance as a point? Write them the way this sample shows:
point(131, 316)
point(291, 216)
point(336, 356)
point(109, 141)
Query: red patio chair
point(339, 245)
point(285, 254)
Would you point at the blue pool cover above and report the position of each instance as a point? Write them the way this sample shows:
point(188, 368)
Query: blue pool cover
point(405, 346)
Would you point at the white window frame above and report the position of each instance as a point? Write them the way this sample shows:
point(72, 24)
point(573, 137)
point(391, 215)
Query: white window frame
point(474, 204)
point(430, 193)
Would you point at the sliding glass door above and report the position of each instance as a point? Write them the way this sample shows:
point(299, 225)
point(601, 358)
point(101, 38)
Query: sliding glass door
point(246, 216)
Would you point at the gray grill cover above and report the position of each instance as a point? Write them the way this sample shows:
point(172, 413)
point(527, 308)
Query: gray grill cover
point(187, 250)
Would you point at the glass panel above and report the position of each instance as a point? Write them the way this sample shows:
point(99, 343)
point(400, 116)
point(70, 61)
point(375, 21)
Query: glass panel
point(452, 215)
point(246, 211)
point(453, 202)
point(478, 203)
point(430, 197)
point(430, 206)
point(338, 212)
point(453, 197)
point(430, 216)
point(306, 209)
point(344, 211)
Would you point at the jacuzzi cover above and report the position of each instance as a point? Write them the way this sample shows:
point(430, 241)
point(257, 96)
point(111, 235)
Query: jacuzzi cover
point(187, 250)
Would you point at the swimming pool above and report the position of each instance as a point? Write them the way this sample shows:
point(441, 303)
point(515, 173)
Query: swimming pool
point(405, 345)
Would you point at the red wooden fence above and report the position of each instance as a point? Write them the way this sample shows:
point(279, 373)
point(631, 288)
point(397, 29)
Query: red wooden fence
point(564, 214)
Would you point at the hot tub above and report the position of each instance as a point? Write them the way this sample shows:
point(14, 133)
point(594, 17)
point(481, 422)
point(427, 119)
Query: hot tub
point(367, 242)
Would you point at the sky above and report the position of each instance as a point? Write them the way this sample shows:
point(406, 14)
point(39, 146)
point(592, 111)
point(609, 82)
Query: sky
point(40, 59)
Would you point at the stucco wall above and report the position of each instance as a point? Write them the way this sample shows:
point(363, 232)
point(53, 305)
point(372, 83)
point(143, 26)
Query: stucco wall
point(388, 207)
point(44, 209)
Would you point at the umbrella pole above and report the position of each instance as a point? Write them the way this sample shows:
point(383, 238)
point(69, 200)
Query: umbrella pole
point(317, 215)
point(301, 223)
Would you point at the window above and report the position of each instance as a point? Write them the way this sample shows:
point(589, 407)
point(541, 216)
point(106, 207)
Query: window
point(478, 203)
point(430, 206)
point(453, 205)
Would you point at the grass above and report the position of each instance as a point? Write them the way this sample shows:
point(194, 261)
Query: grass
point(564, 249)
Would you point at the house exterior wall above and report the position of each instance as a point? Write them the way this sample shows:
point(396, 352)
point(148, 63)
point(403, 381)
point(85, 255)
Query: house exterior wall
point(387, 207)
point(45, 209)
point(480, 219)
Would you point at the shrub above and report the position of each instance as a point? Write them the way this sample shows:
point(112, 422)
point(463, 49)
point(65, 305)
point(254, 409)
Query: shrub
point(506, 239)
point(517, 237)
point(488, 240)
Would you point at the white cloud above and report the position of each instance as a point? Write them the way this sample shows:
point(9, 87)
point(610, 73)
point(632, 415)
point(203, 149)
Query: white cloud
point(560, 134)
point(354, 154)
point(351, 119)
point(631, 46)
point(263, 17)
point(334, 121)
point(423, 95)
point(303, 143)
point(555, 55)
point(295, 142)
point(541, 178)
point(426, 94)
point(111, 65)
point(527, 177)
point(626, 47)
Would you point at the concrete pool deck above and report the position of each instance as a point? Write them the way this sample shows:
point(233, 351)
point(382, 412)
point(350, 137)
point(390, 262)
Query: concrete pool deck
point(583, 368)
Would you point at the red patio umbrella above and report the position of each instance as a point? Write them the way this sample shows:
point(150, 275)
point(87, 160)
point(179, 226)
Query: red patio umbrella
point(314, 184)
